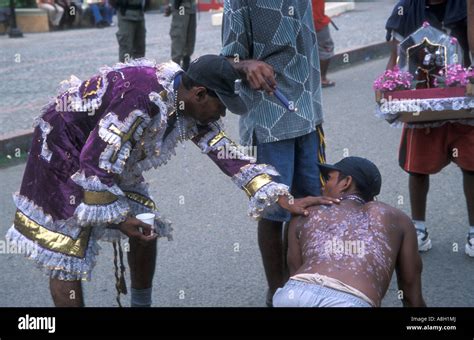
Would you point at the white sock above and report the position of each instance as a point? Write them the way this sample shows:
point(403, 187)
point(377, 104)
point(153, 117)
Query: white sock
point(471, 230)
point(420, 225)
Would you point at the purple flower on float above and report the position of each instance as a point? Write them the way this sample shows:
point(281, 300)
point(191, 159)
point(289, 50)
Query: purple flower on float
point(453, 41)
point(392, 80)
point(426, 24)
point(455, 75)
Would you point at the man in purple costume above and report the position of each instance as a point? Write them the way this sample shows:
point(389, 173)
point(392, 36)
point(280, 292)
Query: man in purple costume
point(83, 180)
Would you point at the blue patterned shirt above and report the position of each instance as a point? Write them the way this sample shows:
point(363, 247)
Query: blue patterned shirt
point(280, 33)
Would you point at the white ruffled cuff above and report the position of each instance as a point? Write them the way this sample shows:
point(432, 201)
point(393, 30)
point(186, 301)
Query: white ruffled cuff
point(265, 198)
point(102, 215)
point(102, 205)
point(93, 183)
point(263, 192)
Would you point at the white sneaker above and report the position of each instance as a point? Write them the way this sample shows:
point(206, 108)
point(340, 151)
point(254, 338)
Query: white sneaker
point(424, 242)
point(470, 245)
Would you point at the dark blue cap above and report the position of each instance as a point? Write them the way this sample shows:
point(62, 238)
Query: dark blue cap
point(365, 174)
point(216, 73)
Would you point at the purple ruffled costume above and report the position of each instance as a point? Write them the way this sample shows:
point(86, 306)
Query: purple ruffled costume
point(90, 147)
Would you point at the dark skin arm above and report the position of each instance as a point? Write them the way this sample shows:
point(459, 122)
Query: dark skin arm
point(392, 61)
point(409, 265)
point(294, 258)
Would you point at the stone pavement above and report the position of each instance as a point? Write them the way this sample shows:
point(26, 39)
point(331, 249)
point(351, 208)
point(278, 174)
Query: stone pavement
point(32, 67)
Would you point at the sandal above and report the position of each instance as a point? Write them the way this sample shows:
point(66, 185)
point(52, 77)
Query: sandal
point(328, 83)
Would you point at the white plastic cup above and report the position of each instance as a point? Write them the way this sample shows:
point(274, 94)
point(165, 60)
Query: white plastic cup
point(147, 218)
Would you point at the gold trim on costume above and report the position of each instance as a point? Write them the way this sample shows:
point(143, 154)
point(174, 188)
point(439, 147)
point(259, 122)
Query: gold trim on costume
point(217, 138)
point(51, 240)
point(87, 94)
point(125, 137)
point(140, 199)
point(164, 95)
point(256, 183)
point(99, 197)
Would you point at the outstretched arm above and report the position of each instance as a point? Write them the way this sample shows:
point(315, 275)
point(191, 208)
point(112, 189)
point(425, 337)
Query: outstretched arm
point(392, 61)
point(255, 179)
point(409, 265)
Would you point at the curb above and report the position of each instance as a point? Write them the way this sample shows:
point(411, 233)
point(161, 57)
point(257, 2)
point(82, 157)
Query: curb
point(333, 9)
point(14, 146)
point(360, 54)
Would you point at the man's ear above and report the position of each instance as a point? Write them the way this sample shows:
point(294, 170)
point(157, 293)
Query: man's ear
point(200, 93)
point(346, 183)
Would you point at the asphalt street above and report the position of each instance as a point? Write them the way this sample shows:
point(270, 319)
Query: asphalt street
point(214, 259)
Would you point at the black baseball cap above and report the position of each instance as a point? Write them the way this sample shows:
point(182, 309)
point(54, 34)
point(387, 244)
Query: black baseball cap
point(217, 74)
point(365, 174)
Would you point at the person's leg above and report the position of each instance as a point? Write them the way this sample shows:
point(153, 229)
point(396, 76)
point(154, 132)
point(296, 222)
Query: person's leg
point(270, 243)
point(419, 164)
point(125, 36)
point(142, 262)
point(49, 10)
point(326, 52)
point(270, 234)
point(65, 18)
point(461, 144)
point(324, 70)
point(190, 40)
point(109, 13)
point(309, 150)
point(419, 185)
point(66, 293)
point(96, 13)
point(59, 14)
point(177, 34)
point(139, 42)
point(77, 15)
point(105, 13)
point(468, 181)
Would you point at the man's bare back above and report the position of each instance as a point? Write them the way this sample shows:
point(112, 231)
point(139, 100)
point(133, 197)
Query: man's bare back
point(358, 244)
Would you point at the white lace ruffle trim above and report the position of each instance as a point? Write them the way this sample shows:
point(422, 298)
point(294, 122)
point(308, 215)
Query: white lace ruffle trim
point(54, 264)
point(267, 196)
point(100, 215)
point(390, 110)
point(45, 130)
point(123, 148)
point(36, 213)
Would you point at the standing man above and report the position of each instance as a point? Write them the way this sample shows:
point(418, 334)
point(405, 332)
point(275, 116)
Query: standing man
point(274, 43)
point(452, 138)
point(183, 30)
point(325, 42)
point(131, 28)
